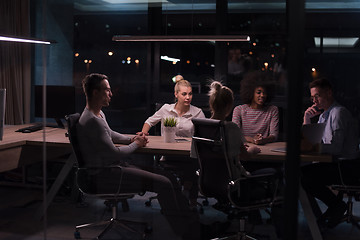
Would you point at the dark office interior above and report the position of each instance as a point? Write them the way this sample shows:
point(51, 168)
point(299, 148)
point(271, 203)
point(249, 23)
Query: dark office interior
point(293, 41)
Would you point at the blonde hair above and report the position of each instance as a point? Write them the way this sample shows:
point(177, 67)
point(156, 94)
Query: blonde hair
point(181, 82)
point(221, 100)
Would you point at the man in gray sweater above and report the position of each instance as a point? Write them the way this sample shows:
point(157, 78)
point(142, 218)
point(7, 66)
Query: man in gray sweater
point(96, 140)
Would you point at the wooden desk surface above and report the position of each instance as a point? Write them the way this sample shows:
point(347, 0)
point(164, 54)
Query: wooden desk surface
point(55, 137)
point(19, 149)
point(11, 138)
point(157, 145)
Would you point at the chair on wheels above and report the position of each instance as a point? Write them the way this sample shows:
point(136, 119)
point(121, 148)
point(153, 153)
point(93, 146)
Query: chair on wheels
point(352, 192)
point(223, 177)
point(83, 182)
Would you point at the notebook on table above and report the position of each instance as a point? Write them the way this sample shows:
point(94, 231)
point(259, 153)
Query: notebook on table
point(311, 132)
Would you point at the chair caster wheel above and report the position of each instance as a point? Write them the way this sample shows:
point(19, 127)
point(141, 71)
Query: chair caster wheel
point(148, 203)
point(77, 235)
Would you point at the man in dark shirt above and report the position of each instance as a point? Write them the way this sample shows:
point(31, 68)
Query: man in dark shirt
point(340, 139)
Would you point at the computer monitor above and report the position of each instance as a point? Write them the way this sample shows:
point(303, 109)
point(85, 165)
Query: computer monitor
point(60, 101)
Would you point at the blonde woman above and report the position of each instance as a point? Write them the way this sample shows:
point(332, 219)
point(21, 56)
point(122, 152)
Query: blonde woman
point(183, 111)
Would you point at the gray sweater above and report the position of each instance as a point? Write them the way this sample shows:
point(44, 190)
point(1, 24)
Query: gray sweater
point(96, 141)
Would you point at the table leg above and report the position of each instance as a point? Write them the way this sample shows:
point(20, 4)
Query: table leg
point(309, 215)
point(56, 185)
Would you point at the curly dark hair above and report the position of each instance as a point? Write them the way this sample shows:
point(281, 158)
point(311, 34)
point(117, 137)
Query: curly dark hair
point(253, 80)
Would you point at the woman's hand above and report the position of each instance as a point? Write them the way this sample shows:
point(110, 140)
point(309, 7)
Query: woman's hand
point(142, 133)
point(258, 139)
point(253, 150)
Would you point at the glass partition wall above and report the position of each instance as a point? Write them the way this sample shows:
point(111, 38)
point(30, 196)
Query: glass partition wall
point(142, 69)
point(146, 70)
point(141, 73)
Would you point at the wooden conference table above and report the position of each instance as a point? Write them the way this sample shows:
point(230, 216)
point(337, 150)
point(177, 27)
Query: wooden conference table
point(20, 149)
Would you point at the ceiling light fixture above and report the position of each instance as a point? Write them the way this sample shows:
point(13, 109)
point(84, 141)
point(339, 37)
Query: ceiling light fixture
point(170, 59)
point(133, 1)
point(24, 40)
point(336, 41)
point(189, 38)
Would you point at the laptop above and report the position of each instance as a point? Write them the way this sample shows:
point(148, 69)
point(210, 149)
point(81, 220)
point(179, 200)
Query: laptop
point(312, 132)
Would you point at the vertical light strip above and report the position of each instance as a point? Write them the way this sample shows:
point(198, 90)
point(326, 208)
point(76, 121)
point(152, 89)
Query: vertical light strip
point(44, 60)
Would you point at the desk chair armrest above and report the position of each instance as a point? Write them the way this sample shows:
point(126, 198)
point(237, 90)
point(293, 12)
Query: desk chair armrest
point(260, 176)
point(251, 177)
point(206, 140)
point(85, 169)
point(270, 178)
point(94, 168)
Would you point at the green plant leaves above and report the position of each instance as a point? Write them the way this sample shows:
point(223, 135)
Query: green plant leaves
point(170, 122)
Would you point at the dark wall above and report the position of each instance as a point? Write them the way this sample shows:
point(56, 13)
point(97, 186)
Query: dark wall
point(59, 28)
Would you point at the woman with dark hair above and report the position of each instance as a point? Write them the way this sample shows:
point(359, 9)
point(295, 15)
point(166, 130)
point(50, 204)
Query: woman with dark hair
point(258, 119)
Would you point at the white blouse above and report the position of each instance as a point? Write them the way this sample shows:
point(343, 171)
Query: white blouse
point(184, 127)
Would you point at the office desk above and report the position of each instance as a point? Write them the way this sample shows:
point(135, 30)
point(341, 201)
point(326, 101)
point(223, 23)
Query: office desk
point(19, 149)
point(157, 145)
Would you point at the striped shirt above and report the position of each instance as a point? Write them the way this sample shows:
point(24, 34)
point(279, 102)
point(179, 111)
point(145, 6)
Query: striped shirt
point(252, 121)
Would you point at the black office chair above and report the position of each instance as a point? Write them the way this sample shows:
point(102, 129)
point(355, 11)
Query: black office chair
point(352, 192)
point(83, 181)
point(223, 177)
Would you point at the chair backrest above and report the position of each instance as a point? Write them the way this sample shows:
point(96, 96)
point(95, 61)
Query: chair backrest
point(221, 174)
point(209, 144)
point(72, 121)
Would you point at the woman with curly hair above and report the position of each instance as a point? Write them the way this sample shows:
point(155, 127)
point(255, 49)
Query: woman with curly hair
point(258, 119)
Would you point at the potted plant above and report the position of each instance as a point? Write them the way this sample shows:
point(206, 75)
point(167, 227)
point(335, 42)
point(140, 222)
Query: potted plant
point(169, 129)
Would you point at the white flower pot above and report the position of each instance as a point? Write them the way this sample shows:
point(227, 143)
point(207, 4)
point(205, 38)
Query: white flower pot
point(169, 134)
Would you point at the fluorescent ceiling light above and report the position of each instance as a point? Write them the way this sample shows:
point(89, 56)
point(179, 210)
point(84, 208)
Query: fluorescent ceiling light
point(170, 59)
point(25, 40)
point(189, 38)
point(134, 1)
point(336, 42)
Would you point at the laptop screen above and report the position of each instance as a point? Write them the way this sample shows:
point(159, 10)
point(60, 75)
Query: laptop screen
point(313, 132)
